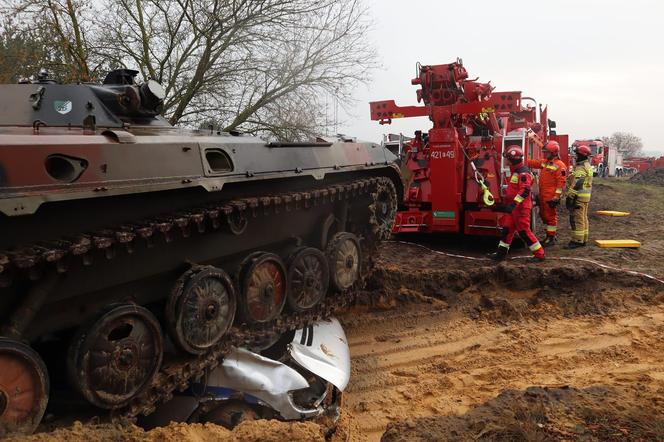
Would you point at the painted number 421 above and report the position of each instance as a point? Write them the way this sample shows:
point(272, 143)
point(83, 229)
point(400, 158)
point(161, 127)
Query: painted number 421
point(439, 154)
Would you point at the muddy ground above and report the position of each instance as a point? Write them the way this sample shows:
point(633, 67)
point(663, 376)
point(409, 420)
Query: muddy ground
point(447, 348)
point(651, 176)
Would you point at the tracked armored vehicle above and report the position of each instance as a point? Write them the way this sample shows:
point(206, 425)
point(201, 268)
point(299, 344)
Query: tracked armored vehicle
point(134, 255)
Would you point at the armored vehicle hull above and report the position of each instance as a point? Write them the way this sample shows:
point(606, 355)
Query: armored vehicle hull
point(134, 255)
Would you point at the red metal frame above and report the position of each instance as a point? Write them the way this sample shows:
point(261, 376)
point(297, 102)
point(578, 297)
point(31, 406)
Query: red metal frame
point(471, 123)
point(641, 164)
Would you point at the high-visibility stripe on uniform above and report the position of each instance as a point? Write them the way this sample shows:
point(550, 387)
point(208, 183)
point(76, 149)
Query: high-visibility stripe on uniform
point(551, 228)
point(580, 181)
point(518, 199)
point(578, 235)
point(559, 191)
point(503, 244)
point(535, 246)
point(583, 195)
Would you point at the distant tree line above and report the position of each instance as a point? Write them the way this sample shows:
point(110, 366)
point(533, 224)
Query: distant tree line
point(260, 66)
point(629, 144)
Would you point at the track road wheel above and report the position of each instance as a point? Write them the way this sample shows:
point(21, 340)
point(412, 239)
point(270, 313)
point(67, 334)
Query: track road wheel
point(263, 285)
point(308, 278)
point(24, 388)
point(345, 260)
point(201, 309)
point(383, 208)
point(116, 358)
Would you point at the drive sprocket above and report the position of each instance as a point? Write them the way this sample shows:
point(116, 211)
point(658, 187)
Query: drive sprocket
point(383, 208)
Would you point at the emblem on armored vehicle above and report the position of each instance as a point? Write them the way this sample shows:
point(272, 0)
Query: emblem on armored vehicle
point(62, 106)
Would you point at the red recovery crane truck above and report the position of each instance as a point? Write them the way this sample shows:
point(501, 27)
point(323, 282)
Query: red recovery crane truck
point(455, 173)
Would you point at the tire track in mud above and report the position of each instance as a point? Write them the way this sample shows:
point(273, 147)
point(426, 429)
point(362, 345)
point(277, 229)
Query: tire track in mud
point(392, 381)
point(444, 341)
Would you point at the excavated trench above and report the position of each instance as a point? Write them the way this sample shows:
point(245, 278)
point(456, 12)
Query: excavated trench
point(511, 290)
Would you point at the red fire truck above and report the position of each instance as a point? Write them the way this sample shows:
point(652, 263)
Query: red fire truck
point(597, 149)
point(455, 173)
point(641, 164)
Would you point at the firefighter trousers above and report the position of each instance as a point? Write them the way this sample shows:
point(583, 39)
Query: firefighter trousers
point(519, 222)
point(549, 216)
point(578, 221)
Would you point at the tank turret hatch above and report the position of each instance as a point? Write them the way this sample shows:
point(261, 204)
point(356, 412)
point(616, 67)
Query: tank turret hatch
point(115, 103)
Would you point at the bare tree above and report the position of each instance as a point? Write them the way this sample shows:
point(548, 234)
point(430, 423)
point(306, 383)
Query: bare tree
point(24, 51)
point(254, 65)
point(626, 142)
point(67, 24)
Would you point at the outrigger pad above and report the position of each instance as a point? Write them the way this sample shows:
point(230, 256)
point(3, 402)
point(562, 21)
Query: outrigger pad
point(617, 243)
point(612, 213)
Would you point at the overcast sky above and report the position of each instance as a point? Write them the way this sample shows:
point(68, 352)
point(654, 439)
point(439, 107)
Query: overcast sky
point(598, 64)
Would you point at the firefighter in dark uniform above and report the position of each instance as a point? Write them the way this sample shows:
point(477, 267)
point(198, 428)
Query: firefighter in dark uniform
point(517, 211)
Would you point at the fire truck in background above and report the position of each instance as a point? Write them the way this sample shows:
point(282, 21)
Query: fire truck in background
point(606, 160)
point(597, 150)
point(455, 173)
point(641, 164)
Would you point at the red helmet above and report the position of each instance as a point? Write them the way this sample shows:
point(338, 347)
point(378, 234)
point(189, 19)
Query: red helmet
point(552, 147)
point(582, 150)
point(514, 154)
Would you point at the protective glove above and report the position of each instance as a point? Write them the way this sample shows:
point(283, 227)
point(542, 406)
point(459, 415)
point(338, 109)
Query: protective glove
point(570, 202)
point(553, 203)
point(510, 207)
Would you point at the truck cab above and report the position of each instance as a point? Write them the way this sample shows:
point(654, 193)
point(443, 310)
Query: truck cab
point(597, 149)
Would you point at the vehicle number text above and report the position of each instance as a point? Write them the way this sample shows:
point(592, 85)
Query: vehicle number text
point(439, 154)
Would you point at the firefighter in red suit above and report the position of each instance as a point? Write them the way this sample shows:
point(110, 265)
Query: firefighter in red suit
point(551, 185)
point(517, 211)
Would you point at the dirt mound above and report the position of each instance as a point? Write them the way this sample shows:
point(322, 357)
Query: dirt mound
point(262, 430)
point(651, 176)
point(597, 413)
point(511, 290)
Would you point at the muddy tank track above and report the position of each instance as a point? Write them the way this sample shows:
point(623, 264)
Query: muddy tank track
point(36, 261)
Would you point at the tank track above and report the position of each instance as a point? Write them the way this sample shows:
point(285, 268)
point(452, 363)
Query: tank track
point(176, 374)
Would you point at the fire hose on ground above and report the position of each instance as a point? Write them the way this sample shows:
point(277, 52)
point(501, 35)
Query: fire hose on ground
point(559, 258)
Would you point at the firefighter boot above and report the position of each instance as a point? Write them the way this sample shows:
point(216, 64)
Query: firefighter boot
point(537, 258)
point(500, 254)
point(538, 253)
point(574, 245)
point(549, 241)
